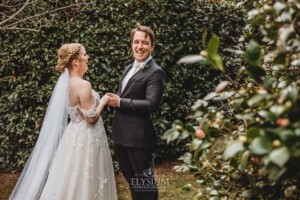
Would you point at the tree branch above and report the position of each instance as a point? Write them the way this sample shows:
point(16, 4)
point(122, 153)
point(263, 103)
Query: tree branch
point(16, 13)
point(40, 14)
point(24, 29)
point(4, 3)
point(13, 6)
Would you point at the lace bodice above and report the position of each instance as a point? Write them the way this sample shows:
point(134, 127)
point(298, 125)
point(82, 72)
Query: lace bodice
point(77, 114)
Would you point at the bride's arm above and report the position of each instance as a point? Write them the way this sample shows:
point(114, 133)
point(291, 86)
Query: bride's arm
point(103, 101)
point(88, 104)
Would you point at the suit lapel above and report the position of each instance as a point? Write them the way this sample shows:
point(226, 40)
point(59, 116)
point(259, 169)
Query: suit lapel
point(137, 74)
point(125, 72)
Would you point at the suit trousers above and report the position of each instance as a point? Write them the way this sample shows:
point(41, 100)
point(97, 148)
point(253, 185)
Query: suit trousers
point(136, 165)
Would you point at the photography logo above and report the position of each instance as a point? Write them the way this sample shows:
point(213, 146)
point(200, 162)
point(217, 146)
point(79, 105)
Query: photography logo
point(149, 181)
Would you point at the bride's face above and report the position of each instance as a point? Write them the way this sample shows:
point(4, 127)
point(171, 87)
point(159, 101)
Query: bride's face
point(83, 60)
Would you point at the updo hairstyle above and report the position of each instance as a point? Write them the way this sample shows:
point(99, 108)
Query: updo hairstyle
point(66, 54)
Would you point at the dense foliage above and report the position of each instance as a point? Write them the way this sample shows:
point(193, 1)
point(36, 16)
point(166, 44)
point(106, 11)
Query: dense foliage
point(244, 139)
point(28, 59)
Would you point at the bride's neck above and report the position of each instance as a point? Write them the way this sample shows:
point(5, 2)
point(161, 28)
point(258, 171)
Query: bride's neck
point(75, 74)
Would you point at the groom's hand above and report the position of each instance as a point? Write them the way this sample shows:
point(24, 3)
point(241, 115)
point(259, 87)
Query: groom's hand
point(114, 100)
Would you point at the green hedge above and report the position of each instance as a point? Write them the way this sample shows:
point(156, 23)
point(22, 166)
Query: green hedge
point(28, 60)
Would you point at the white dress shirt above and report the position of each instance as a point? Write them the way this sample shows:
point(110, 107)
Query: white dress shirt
point(131, 72)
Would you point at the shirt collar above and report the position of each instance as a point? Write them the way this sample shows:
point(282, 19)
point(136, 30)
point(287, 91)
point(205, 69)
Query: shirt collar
point(149, 58)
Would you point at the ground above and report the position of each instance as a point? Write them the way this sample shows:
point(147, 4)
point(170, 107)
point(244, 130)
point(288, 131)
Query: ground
point(170, 183)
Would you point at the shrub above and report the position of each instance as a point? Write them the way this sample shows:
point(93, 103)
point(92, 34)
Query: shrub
point(28, 60)
point(253, 119)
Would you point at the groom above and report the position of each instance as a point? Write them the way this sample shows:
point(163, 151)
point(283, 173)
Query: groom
point(140, 92)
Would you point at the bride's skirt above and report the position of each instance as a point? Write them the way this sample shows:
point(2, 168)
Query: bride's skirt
point(82, 168)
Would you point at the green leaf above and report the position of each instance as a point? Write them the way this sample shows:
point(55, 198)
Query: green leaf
point(189, 127)
point(278, 109)
point(187, 158)
point(191, 59)
point(244, 159)
point(204, 37)
point(226, 95)
point(267, 115)
point(253, 13)
point(177, 122)
point(237, 103)
point(184, 135)
point(210, 96)
point(235, 51)
point(288, 135)
point(247, 194)
point(284, 36)
point(261, 145)
point(257, 73)
point(233, 149)
point(221, 86)
point(212, 51)
point(217, 62)
point(205, 145)
point(187, 187)
point(170, 135)
point(213, 45)
point(278, 6)
point(257, 99)
point(195, 144)
point(253, 54)
point(296, 62)
point(214, 193)
point(293, 93)
point(280, 156)
point(275, 172)
point(280, 59)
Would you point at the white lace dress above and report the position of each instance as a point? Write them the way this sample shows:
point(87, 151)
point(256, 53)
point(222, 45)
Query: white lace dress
point(82, 168)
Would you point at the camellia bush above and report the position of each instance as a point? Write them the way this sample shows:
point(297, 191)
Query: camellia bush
point(29, 54)
point(244, 137)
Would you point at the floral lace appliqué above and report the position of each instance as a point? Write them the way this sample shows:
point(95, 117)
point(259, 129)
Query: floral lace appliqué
point(78, 114)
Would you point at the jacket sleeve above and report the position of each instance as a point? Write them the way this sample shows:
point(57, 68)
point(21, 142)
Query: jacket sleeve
point(154, 92)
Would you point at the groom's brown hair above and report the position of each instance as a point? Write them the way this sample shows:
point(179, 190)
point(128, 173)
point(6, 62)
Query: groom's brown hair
point(146, 30)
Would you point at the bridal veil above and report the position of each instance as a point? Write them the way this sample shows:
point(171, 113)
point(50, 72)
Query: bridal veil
point(35, 172)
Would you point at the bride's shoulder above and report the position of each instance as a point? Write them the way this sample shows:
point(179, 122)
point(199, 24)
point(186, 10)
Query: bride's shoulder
point(85, 86)
point(81, 85)
point(76, 82)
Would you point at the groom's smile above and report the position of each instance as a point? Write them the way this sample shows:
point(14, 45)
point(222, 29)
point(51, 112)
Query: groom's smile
point(141, 46)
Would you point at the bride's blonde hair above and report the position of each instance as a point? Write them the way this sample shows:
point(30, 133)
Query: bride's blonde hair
point(66, 54)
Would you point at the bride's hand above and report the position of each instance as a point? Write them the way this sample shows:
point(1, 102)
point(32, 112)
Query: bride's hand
point(105, 99)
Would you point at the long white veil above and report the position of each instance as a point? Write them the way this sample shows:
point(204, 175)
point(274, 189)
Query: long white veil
point(35, 172)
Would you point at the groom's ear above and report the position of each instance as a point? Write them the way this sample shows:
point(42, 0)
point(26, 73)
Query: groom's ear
point(152, 47)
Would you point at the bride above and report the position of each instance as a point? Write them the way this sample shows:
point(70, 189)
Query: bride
point(70, 162)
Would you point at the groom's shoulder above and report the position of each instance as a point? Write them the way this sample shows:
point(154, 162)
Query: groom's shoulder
point(156, 67)
point(153, 63)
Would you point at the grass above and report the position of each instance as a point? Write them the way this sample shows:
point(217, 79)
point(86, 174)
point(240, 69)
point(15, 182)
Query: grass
point(170, 187)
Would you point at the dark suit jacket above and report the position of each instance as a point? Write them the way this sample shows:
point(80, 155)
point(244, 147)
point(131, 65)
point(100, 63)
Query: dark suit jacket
point(132, 125)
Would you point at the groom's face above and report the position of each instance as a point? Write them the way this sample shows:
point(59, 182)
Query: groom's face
point(141, 46)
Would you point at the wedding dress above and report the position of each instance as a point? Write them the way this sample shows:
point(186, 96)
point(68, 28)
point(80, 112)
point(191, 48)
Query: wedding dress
point(82, 167)
point(69, 161)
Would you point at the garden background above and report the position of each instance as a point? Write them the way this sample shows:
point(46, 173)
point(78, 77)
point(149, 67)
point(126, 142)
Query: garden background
point(249, 50)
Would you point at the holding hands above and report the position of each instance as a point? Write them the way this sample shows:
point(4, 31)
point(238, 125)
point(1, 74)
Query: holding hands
point(105, 99)
point(114, 100)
